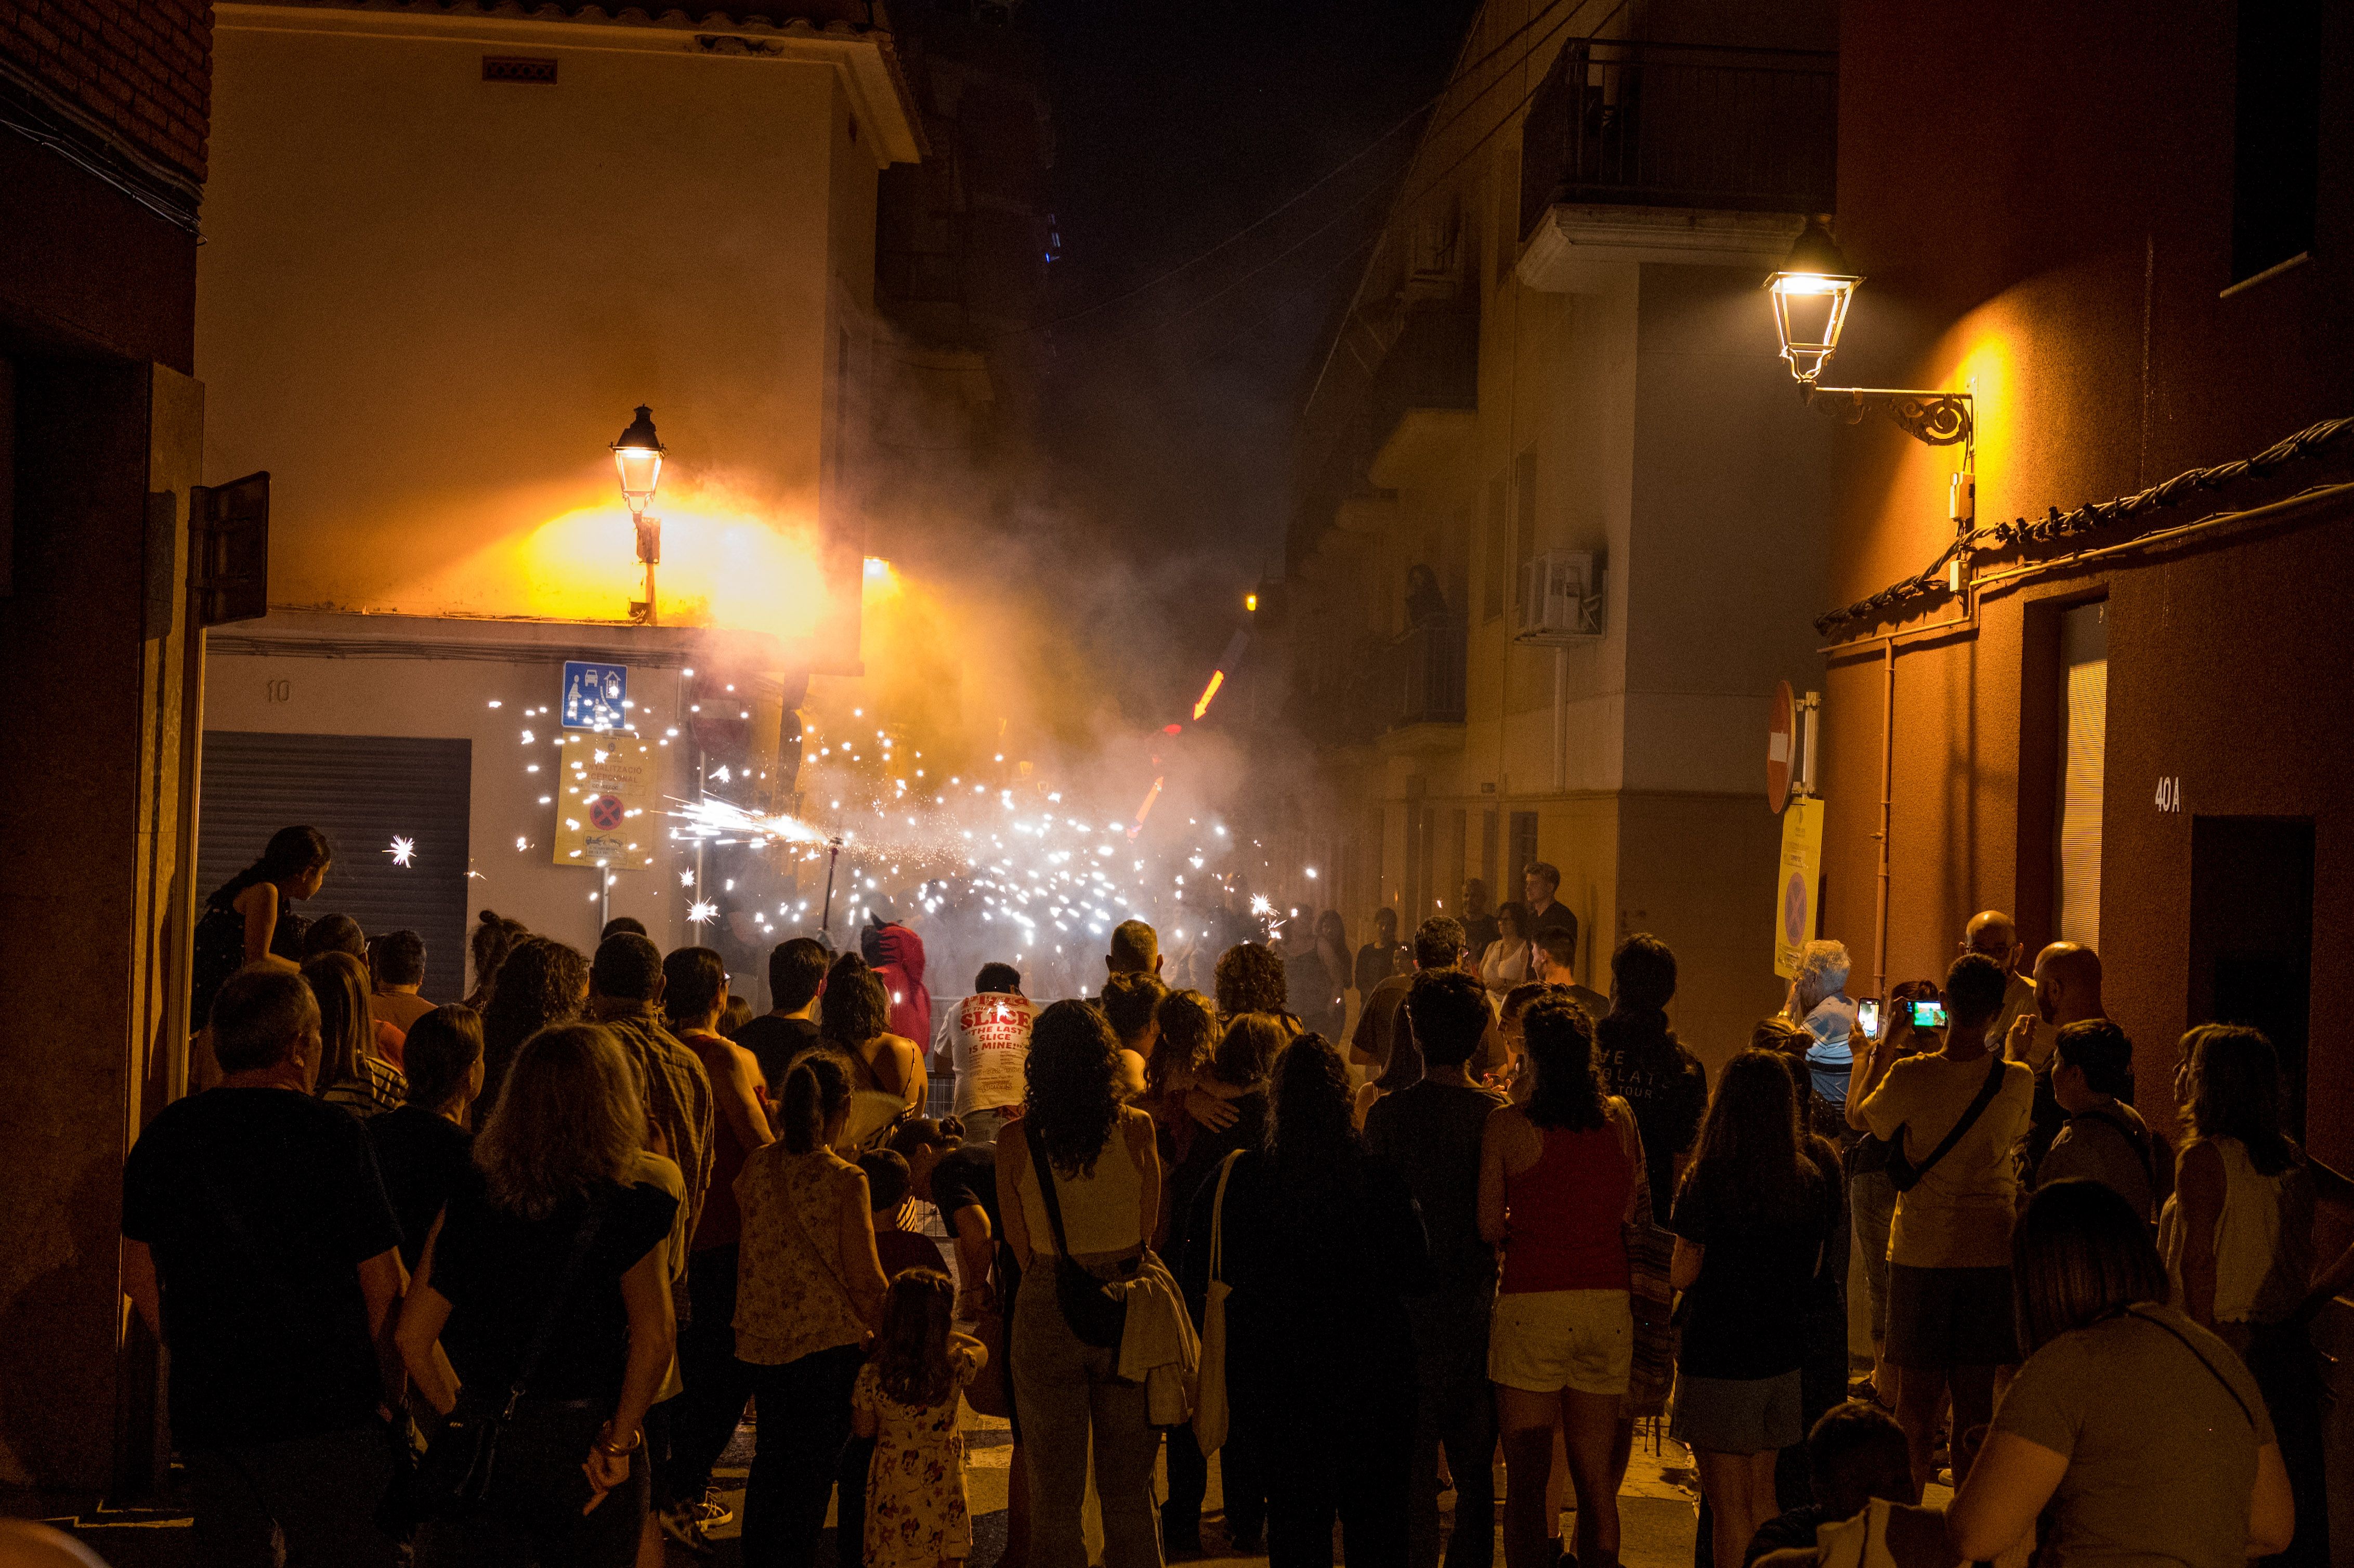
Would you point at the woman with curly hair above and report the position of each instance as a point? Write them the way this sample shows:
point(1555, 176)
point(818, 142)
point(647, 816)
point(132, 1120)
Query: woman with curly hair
point(1098, 1154)
point(541, 981)
point(1321, 1244)
point(1250, 980)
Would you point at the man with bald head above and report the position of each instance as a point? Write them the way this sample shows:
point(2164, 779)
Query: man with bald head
point(1996, 934)
point(2067, 991)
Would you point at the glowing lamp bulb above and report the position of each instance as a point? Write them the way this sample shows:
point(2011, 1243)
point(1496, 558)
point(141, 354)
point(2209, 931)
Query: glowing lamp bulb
point(638, 456)
point(1811, 293)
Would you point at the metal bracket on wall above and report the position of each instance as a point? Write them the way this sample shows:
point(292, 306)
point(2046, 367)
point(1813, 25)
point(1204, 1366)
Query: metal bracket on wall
point(1937, 418)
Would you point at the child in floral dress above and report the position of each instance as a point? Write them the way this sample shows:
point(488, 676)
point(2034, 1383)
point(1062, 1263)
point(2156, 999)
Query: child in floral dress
point(906, 1400)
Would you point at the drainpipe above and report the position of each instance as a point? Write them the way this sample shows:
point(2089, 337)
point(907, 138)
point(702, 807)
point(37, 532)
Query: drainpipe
point(1560, 717)
point(1887, 796)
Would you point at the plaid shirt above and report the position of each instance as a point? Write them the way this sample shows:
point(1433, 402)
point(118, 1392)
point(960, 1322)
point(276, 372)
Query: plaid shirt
point(678, 1103)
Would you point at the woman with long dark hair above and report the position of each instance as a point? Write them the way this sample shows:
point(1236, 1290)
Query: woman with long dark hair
point(1557, 1180)
point(541, 982)
point(1321, 1244)
point(556, 1232)
point(1752, 1220)
point(351, 1074)
point(887, 1080)
point(2131, 1433)
point(810, 1287)
point(1099, 1155)
point(2238, 1240)
point(250, 917)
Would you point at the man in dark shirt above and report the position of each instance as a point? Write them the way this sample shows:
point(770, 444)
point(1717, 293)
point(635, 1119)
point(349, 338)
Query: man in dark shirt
point(1540, 882)
point(259, 1245)
point(1480, 928)
point(1431, 1132)
point(796, 974)
point(1438, 945)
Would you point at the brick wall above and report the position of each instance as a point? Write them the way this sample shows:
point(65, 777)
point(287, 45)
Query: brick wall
point(142, 69)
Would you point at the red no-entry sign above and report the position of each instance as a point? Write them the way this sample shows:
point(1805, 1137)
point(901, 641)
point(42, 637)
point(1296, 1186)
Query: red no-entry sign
point(1781, 747)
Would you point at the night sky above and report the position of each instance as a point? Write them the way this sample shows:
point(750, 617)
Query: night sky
point(1167, 416)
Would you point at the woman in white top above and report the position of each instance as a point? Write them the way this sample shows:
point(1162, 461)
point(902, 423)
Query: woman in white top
point(1106, 1180)
point(2238, 1240)
point(1508, 961)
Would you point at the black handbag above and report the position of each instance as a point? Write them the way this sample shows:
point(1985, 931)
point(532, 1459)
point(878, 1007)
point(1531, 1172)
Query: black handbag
point(1097, 1311)
point(1903, 1174)
point(478, 1447)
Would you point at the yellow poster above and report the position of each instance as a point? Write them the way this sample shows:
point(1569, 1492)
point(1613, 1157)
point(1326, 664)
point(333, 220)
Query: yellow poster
point(1801, 875)
point(601, 817)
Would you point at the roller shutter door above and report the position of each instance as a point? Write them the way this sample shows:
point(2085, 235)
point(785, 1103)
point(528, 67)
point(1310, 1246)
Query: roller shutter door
point(361, 791)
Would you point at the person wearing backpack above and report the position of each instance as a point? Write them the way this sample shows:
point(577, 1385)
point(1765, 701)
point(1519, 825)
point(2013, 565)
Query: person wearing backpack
point(1950, 1118)
point(2104, 1139)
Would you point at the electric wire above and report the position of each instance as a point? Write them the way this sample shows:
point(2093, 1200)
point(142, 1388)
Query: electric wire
point(1350, 162)
point(2056, 524)
point(1171, 318)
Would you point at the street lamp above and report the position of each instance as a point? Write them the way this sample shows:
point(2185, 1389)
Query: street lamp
point(638, 456)
point(1812, 290)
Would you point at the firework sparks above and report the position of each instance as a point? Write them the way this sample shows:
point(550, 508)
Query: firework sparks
point(403, 849)
point(701, 910)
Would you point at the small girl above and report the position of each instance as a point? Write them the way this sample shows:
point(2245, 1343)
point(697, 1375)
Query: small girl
point(906, 1400)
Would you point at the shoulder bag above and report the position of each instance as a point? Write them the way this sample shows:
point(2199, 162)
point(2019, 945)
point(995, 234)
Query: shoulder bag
point(1095, 1311)
point(461, 1469)
point(1903, 1174)
point(1210, 1408)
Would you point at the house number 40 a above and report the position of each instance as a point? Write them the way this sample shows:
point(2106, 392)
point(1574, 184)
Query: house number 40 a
point(2169, 794)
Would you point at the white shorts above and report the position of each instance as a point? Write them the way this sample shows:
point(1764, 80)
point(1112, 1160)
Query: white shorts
point(1545, 1340)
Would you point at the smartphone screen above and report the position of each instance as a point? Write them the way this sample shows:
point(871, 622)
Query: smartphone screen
point(1866, 1017)
point(1928, 1015)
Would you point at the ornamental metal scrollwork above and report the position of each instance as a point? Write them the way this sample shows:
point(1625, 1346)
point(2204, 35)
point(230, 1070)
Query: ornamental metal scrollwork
point(1937, 418)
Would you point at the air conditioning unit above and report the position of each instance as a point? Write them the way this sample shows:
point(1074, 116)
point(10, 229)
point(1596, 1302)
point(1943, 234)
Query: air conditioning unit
point(1560, 599)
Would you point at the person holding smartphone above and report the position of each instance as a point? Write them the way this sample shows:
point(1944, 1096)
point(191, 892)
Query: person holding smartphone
point(1871, 1197)
point(1950, 1117)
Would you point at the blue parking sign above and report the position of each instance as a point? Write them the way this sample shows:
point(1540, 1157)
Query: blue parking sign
point(595, 696)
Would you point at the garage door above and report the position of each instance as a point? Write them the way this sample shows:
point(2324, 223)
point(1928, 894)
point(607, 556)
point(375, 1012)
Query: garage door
point(364, 791)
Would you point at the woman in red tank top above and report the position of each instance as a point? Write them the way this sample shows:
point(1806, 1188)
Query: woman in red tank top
point(1556, 1188)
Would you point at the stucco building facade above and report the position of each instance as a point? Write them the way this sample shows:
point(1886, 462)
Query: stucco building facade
point(1556, 393)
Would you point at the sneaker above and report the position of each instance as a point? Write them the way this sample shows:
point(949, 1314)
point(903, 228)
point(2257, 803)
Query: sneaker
point(680, 1525)
point(709, 1512)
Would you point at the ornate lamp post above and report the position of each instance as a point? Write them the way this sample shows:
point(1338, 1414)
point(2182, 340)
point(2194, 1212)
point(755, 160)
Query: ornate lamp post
point(638, 456)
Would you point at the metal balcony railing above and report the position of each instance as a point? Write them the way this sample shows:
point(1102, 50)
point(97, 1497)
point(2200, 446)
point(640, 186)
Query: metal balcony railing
point(1426, 674)
point(1621, 122)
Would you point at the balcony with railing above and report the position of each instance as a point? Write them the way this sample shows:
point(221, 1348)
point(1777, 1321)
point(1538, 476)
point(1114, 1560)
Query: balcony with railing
point(1627, 124)
point(1425, 675)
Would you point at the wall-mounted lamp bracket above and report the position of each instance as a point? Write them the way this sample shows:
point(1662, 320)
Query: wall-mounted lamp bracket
point(1936, 418)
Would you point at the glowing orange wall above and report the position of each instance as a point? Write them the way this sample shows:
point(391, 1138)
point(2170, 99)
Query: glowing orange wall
point(2041, 199)
point(429, 302)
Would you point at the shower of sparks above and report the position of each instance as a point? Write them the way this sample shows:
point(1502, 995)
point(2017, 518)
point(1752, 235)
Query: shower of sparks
point(1261, 905)
point(686, 879)
point(701, 910)
point(402, 851)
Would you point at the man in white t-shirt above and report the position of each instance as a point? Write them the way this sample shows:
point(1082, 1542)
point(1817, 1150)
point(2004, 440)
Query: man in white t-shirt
point(986, 1039)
